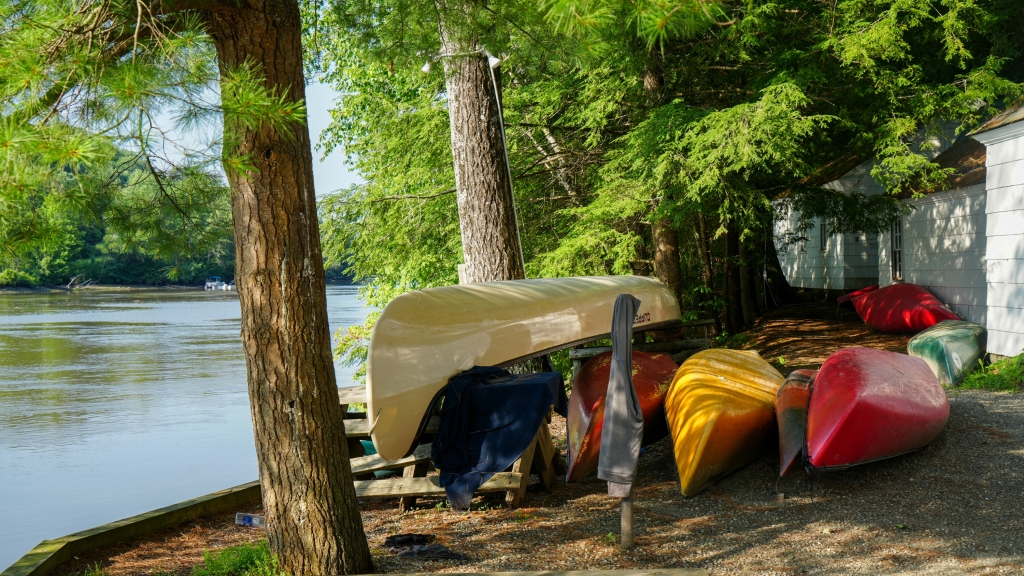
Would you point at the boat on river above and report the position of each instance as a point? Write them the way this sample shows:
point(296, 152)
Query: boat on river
point(866, 405)
point(423, 338)
point(951, 348)
point(652, 374)
point(213, 283)
point(721, 414)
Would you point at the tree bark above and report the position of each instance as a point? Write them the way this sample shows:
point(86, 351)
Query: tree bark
point(734, 311)
point(748, 293)
point(487, 218)
point(313, 521)
point(705, 260)
point(666, 255)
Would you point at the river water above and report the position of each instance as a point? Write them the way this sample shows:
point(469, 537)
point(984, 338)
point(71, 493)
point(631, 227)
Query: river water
point(113, 403)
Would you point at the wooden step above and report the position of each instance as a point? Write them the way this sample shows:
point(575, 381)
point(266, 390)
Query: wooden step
point(374, 463)
point(500, 482)
point(360, 427)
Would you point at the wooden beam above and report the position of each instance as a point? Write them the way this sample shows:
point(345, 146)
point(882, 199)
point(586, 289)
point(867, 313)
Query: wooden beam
point(352, 394)
point(360, 427)
point(500, 482)
point(374, 462)
point(673, 346)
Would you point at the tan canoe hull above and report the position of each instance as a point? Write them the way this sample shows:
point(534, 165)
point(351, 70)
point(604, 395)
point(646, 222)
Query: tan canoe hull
point(423, 338)
point(721, 414)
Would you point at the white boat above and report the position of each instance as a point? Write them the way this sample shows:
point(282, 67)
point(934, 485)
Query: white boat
point(425, 337)
point(213, 283)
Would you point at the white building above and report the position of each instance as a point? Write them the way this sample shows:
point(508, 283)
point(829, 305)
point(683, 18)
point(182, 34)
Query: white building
point(965, 244)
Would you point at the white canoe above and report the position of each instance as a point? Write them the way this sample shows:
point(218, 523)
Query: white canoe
point(425, 337)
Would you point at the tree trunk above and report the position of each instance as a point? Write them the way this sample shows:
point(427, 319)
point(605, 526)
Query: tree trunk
point(705, 260)
point(734, 311)
point(487, 218)
point(748, 293)
point(313, 521)
point(666, 256)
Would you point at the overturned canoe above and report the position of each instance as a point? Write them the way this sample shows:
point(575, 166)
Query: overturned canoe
point(791, 415)
point(652, 374)
point(423, 338)
point(951, 349)
point(846, 300)
point(721, 414)
point(901, 308)
point(868, 404)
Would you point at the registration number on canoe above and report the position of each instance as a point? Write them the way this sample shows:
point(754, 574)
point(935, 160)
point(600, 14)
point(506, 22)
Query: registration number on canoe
point(641, 318)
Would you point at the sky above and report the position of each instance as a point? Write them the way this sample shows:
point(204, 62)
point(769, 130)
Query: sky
point(329, 173)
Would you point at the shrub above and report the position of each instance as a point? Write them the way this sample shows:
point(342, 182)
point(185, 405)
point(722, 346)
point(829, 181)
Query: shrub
point(248, 559)
point(1005, 375)
point(10, 277)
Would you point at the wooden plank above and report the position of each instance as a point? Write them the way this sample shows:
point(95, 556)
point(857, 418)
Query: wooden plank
point(654, 572)
point(521, 468)
point(500, 482)
point(417, 470)
point(673, 346)
point(374, 462)
point(352, 394)
point(360, 428)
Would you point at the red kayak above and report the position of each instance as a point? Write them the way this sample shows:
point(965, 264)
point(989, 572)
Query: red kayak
point(868, 404)
point(846, 300)
point(901, 308)
point(791, 414)
point(652, 375)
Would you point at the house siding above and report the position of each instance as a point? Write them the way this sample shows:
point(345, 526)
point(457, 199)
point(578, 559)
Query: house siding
point(944, 250)
point(804, 263)
point(1005, 244)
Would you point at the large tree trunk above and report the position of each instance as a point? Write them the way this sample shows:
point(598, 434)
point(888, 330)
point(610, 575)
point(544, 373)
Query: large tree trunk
point(487, 219)
point(666, 255)
point(734, 312)
point(705, 260)
point(748, 292)
point(313, 521)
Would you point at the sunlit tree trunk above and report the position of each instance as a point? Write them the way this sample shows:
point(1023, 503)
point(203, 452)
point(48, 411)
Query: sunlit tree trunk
point(314, 527)
point(487, 219)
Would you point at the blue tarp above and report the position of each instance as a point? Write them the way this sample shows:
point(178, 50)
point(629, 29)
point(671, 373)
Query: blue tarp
point(488, 418)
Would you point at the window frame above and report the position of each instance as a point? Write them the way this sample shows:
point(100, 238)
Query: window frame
point(896, 250)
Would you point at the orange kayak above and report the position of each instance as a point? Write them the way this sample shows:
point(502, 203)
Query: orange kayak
point(652, 374)
point(721, 413)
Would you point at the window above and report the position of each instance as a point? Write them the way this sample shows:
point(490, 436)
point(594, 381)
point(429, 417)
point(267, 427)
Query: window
point(823, 232)
point(896, 243)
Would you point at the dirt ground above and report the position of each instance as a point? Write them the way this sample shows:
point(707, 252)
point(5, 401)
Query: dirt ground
point(953, 508)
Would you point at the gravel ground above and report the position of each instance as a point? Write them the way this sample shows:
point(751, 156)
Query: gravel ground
point(952, 508)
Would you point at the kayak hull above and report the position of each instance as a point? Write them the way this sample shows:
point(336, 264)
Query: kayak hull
point(868, 404)
point(846, 300)
point(951, 348)
point(721, 414)
point(424, 337)
point(652, 374)
point(901, 309)
point(791, 415)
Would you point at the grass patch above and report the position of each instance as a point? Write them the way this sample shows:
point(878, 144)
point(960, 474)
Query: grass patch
point(1006, 375)
point(248, 559)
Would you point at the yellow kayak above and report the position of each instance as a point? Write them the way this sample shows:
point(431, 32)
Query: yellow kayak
point(721, 413)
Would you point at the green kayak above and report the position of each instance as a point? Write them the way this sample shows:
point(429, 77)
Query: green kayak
point(951, 348)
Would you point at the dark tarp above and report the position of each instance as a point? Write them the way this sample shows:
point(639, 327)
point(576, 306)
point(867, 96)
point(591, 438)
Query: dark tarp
point(488, 418)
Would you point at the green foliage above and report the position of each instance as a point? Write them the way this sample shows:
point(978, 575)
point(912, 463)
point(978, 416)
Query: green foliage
point(95, 569)
point(16, 278)
point(111, 120)
point(247, 559)
point(1006, 375)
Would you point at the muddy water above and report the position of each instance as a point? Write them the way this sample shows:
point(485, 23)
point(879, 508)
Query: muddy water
point(115, 403)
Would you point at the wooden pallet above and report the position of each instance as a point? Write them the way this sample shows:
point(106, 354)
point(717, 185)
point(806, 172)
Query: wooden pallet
point(540, 458)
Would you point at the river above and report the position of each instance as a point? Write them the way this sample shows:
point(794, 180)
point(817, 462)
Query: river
point(113, 403)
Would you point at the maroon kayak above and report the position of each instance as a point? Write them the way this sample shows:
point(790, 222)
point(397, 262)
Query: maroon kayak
point(791, 414)
point(901, 308)
point(868, 404)
point(652, 375)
